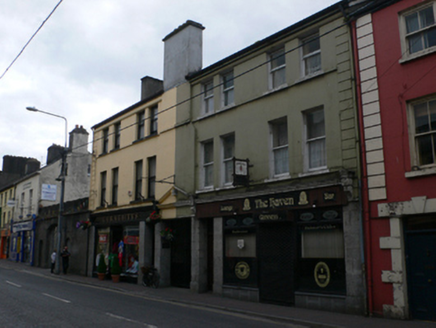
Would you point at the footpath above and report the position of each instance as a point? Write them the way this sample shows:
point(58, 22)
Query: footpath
point(291, 315)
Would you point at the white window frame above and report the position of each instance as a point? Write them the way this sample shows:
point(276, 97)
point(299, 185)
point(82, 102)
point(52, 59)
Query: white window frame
point(404, 35)
point(206, 166)
point(275, 70)
point(309, 55)
point(415, 157)
point(227, 162)
point(309, 141)
point(227, 90)
point(208, 97)
point(153, 119)
point(275, 149)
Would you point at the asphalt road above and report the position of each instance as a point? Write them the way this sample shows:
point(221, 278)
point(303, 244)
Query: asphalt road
point(28, 300)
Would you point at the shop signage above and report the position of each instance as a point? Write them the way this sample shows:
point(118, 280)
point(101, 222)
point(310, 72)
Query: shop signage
point(131, 240)
point(48, 192)
point(329, 196)
point(300, 199)
point(307, 216)
point(102, 239)
point(322, 274)
point(11, 203)
point(117, 218)
point(241, 172)
point(270, 217)
point(226, 208)
point(321, 227)
point(22, 226)
point(240, 231)
point(242, 270)
point(330, 215)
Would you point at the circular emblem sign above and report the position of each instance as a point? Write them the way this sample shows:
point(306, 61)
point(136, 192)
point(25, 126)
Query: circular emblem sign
point(242, 270)
point(322, 274)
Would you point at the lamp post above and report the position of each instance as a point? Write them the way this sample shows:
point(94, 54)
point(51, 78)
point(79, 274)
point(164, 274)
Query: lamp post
point(62, 179)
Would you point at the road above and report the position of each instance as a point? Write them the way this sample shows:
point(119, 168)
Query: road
point(29, 300)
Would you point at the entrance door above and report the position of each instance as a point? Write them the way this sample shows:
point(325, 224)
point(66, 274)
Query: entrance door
point(181, 253)
point(422, 275)
point(276, 262)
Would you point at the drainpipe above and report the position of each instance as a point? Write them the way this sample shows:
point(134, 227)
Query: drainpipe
point(364, 181)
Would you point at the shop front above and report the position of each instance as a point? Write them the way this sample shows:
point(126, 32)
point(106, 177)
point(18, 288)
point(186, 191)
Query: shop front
point(289, 248)
point(4, 243)
point(22, 242)
point(118, 238)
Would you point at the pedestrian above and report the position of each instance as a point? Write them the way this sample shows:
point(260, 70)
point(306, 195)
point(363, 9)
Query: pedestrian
point(65, 259)
point(53, 260)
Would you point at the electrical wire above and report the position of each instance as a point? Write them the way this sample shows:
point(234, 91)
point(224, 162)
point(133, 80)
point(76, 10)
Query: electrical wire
point(34, 34)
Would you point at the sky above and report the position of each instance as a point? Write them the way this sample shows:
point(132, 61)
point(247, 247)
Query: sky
point(87, 60)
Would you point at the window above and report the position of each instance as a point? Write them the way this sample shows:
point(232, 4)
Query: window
point(153, 120)
point(103, 189)
point(105, 141)
point(22, 204)
point(424, 131)
point(419, 29)
point(151, 177)
point(207, 164)
point(277, 68)
point(141, 121)
point(208, 98)
point(114, 186)
point(117, 135)
point(228, 152)
point(30, 201)
point(279, 136)
point(315, 139)
point(138, 180)
point(227, 85)
point(311, 55)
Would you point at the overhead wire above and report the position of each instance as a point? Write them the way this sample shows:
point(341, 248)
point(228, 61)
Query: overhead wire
point(34, 34)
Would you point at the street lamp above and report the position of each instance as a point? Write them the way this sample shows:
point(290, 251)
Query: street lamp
point(62, 179)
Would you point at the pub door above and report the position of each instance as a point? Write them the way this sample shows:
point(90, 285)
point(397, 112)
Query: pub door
point(181, 253)
point(276, 254)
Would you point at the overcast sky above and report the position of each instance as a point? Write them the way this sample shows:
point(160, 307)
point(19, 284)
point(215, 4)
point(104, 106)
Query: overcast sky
point(87, 60)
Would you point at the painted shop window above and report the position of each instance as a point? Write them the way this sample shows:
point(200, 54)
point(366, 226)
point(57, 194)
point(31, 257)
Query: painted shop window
point(227, 89)
point(131, 250)
point(208, 100)
point(277, 68)
point(321, 260)
point(423, 135)
point(418, 28)
point(315, 139)
point(311, 54)
point(228, 152)
point(240, 256)
point(279, 147)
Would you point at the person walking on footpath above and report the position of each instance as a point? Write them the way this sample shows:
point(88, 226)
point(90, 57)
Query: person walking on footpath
point(65, 259)
point(53, 260)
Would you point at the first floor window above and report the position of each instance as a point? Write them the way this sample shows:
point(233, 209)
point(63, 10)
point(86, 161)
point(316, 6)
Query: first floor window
point(207, 161)
point(228, 89)
point(114, 186)
point(117, 135)
point(105, 141)
point(279, 139)
point(424, 131)
point(153, 120)
point(103, 188)
point(140, 117)
point(228, 152)
point(151, 177)
point(208, 98)
point(315, 138)
point(138, 180)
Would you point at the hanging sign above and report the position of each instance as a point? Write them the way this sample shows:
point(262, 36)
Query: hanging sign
point(240, 172)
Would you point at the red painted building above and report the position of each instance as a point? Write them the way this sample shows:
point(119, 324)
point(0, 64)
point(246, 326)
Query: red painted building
point(395, 61)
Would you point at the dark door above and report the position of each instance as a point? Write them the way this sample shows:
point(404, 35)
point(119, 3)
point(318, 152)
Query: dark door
point(421, 260)
point(210, 254)
point(276, 253)
point(181, 254)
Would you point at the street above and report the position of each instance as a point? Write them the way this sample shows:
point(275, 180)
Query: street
point(29, 300)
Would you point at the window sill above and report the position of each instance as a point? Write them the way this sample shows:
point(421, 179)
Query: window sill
point(315, 172)
point(309, 77)
point(420, 171)
point(417, 55)
point(144, 138)
point(277, 89)
point(224, 108)
point(225, 187)
point(205, 190)
point(278, 178)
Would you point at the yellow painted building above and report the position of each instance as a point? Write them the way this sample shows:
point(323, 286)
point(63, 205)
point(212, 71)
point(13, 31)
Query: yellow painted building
point(7, 196)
